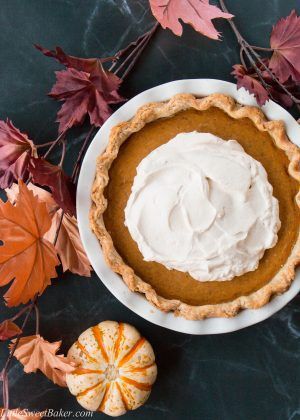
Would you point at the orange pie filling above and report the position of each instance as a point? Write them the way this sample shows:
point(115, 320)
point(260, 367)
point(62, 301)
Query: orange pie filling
point(174, 284)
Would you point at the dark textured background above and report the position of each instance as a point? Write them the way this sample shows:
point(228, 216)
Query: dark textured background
point(246, 375)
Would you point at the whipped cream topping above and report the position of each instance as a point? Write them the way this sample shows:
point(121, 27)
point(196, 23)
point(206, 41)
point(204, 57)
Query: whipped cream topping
point(202, 205)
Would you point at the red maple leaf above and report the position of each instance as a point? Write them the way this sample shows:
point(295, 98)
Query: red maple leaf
point(15, 152)
point(60, 184)
point(197, 13)
point(248, 78)
point(275, 91)
point(85, 87)
point(285, 41)
point(88, 65)
point(250, 83)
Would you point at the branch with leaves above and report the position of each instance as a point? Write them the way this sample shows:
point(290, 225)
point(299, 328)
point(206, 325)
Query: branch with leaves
point(38, 226)
point(276, 77)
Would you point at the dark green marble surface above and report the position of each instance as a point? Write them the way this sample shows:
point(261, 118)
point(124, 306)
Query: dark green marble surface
point(246, 375)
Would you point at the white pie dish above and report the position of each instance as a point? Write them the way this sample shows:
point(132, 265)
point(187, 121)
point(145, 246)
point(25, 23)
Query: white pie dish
point(134, 301)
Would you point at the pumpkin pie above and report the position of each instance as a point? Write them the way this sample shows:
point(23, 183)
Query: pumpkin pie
point(196, 205)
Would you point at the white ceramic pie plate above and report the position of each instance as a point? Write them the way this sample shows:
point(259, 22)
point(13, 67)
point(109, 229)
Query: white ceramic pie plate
point(135, 301)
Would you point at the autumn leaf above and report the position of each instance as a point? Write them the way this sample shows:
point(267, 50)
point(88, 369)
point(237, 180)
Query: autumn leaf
point(86, 89)
point(68, 245)
point(8, 329)
point(84, 94)
point(250, 83)
point(248, 78)
point(43, 195)
point(275, 91)
point(285, 41)
point(89, 65)
point(60, 184)
point(197, 13)
point(26, 259)
point(36, 353)
point(15, 152)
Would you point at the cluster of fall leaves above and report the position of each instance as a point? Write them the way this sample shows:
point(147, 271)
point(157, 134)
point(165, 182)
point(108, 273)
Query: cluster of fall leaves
point(284, 63)
point(32, 215)
point(28, 223)
point(38, 223)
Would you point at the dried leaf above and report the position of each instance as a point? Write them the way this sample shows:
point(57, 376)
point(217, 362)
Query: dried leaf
point(275, 92)
point(89, 65)
point(250, 83)
point(43, 195)
point(26, 259)
point(8, 329)
point(53, 176)
point(15, 152)
point(69, 246)
point(36, 353)
point(285, 41)
point(86, 89)
point(197, 13)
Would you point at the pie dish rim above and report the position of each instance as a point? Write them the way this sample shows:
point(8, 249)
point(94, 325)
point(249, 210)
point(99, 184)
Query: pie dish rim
point(150, 112)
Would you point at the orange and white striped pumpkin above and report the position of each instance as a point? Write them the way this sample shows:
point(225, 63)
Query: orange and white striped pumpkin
point(116, 368)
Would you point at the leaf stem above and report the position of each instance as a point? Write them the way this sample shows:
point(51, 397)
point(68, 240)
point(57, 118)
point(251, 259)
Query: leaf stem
point(75, 172)
point(135, 43)
point(4, 373)
point(20, 313)
point(56, 141)
point(255, 47)
point(258, 72)
point(242, 57)
point(37, 319)
point(63, 153)
point(58, 227)
point(140, 45)
point(49, 143)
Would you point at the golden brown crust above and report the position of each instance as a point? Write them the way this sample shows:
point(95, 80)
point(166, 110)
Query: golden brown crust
point(150, 112)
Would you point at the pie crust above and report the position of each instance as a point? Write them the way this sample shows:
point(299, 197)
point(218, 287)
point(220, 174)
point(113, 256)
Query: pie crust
point(157, 110)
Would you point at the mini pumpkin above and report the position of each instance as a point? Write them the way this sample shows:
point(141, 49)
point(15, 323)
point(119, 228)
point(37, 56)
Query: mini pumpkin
point(116, 368)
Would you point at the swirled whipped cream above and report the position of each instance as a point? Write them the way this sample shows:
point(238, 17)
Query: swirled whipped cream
point(202, 205)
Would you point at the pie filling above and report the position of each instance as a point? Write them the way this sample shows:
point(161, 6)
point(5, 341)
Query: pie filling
point(176, 278)
point(201, 205)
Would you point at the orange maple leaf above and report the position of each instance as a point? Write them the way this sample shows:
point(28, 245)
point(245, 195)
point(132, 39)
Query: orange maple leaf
point(68, 245)
point(36, 353)
point(26, 258)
